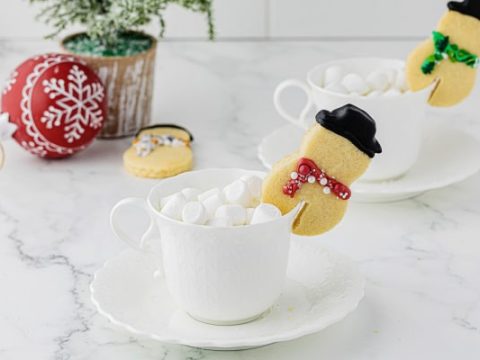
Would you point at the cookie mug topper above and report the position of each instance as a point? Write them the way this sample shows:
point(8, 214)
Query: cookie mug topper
point(333, 154)
point(450, 58)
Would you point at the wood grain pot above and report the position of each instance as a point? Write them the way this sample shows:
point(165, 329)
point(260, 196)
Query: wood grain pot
point(128, 82)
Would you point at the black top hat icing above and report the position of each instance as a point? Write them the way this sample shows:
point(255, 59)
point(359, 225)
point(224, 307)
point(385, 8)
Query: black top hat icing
point(353, 124)
point(467, 7)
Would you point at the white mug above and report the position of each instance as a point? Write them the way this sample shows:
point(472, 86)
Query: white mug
point(221, 276)
point(399, 118)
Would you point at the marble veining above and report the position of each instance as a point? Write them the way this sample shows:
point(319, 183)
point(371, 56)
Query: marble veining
point(421, 257)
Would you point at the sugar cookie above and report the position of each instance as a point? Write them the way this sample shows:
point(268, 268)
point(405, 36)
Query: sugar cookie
point(333, 154)
point(450, 57)
point(159, 151)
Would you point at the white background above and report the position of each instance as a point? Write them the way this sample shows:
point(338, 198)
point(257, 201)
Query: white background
point(275, 19)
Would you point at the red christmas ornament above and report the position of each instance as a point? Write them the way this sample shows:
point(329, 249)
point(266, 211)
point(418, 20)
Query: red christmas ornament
point(57, 103)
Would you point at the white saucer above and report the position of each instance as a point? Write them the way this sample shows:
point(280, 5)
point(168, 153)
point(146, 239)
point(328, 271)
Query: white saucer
point(322, 288)
point(447, 157)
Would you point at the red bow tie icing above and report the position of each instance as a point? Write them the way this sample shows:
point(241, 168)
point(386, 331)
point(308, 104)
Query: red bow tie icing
point(308, 171)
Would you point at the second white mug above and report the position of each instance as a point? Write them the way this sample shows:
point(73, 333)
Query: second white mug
point(399, 118)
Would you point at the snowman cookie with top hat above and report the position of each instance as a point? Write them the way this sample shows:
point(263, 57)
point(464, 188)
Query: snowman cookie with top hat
point(450, 58)
point(334, 153)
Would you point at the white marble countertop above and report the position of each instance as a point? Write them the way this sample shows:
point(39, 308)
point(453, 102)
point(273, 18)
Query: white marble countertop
point(421, 257)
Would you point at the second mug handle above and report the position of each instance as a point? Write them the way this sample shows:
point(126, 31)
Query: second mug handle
point(301, 119)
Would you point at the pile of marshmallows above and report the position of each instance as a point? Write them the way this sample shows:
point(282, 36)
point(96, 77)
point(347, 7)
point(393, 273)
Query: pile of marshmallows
point(386, 82)
point(236, 204)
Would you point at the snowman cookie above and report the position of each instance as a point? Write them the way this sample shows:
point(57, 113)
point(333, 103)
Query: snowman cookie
point(450, 58)
point(159, 151)
point(333, 154)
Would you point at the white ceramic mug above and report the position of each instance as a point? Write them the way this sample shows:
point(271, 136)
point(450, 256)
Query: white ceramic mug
point(221, 276)
point(399, 118)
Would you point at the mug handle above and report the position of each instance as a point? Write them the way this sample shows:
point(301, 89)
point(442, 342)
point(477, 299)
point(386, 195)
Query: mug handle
point(139, 203)
point(301, 119)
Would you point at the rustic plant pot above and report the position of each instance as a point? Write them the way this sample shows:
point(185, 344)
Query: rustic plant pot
point(128, 82)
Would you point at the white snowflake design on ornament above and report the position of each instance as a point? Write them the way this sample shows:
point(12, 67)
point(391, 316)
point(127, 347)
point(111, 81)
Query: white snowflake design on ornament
point(33, 148)
point(77, 105)
point(38, 139)
point(10, 82)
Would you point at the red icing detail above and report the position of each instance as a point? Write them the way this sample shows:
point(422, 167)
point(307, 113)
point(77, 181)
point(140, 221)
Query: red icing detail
point(304, 169)
point(307, 168)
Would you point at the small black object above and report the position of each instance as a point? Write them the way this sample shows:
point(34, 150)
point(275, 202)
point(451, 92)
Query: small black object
point(467, 7)
point(353, 124)
point(173, 126)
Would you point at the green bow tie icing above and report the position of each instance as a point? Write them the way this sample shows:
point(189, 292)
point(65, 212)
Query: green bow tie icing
point(443, 50)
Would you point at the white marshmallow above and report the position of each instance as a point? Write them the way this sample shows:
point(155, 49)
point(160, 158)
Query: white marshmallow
point(220, 222)
point(375, 93)
point(355, 83)
point(337, 88)
point(333, 75)
point(174, 206)
point(320, 80)
point(212, 203)
point(254, 184)
point(249, 212)
point(235, 212)
point(391, 75)
point(392, 92)
point(264, 213)
point(194, 213)
point(254, 203)
point(205, 195)
point(377, 80)
point(238, 193)
point(400, 81)
point(191, 194)
point(163, 201)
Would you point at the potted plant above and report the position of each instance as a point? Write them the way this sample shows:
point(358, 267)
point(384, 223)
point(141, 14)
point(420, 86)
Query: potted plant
point(113, 46)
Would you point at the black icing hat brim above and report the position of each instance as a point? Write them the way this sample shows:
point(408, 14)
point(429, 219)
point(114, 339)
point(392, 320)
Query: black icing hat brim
point(466, 7)
point(370, 150)
point(159, 126)
point(362, 135)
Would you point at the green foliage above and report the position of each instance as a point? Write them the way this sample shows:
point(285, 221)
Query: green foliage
point(106, 20)
point(126, 44)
